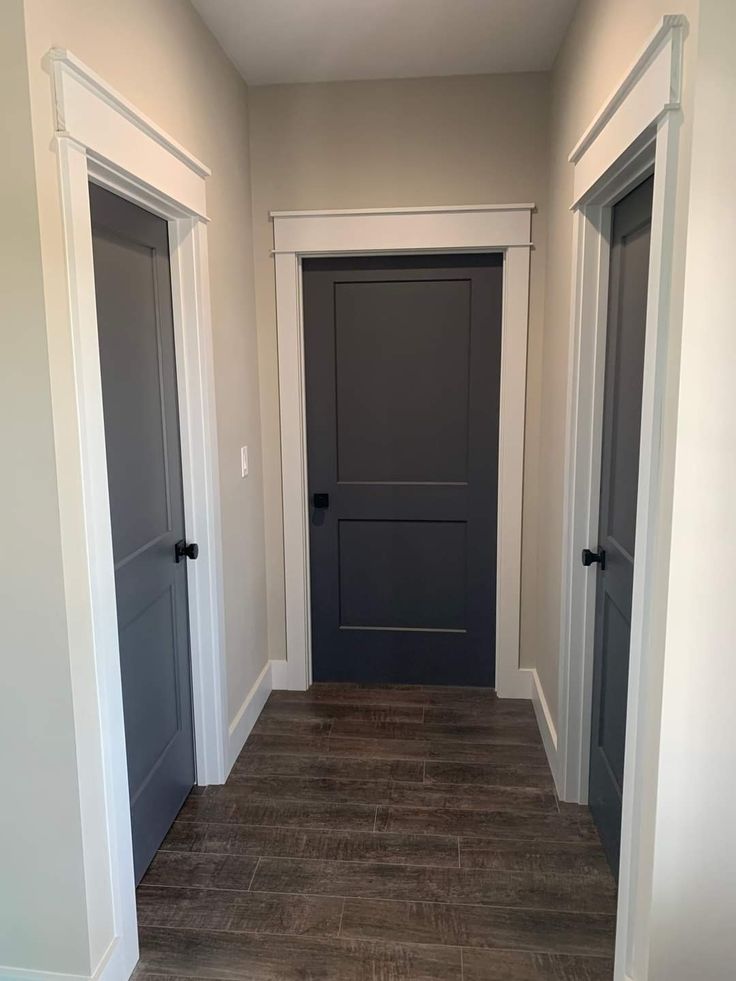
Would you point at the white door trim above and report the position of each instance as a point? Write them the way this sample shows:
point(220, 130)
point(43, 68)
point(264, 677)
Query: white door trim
point(102, 138)
point(634, 132)
point(483, 228)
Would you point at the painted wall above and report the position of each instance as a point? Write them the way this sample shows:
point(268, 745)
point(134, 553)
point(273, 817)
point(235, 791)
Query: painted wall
point(160, 56)
point(461, 140)
point(40, 841)
point(56, 912)
point(694, 888)
point(604, 39)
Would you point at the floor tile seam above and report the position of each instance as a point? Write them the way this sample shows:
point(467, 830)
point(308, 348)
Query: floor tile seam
point(440, 784)
point(381, 716)
point(310, 939)
point(521, 811)
point(450, 904)
point(350, 802)
point(565, 876)
point(327, 938)
point(344, 861)
point(501, 907)
point(271, 798)
point(413, 699)
point(594, 876)
point(277, 718)
point(286, 827)
point(435, 730)
point(333, 755)
point(553, 953)
point(364, 704)
point(252, 799)
point(409, 738)
point(546, 910)
point(255, 776)
point(449, 787)
point(480, 837)
point(465, 742)
point(502, 839)
point(416, 833)
point(296, 776)
point(430, 726)
point(432, 715)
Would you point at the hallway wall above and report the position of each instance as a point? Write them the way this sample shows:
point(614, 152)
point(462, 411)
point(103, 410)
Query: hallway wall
point(433, 141)
point(602, 42)
point(695, 855)
point(39, 926)
point(160, 56)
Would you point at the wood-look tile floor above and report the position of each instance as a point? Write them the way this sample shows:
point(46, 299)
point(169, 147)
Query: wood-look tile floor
point(381, 834)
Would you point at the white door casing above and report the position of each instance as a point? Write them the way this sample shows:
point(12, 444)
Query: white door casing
point(101, 138)
point(482, 228)
point(634, 134)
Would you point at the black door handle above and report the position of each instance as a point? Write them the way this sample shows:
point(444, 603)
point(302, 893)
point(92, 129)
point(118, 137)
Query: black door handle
point(320, 501)
point(184, 551)
point(590, 557)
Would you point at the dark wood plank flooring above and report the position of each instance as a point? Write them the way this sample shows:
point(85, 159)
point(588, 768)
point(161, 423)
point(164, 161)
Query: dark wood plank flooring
point(381, 834)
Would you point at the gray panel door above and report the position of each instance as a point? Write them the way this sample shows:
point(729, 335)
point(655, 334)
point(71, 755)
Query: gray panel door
point(402, 386)
point(616, 535)
point(133, 287)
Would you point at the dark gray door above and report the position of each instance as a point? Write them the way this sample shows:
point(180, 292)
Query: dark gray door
point(133, 287)
point(402, 388)
point(626, 330)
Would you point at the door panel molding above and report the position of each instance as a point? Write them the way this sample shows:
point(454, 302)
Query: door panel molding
point(634, 133)
point(101, 138)
point(416, 231)
point(405, 557)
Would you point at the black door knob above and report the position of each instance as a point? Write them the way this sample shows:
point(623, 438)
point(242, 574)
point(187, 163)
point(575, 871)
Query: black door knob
point(590, 557)
point(184, 551)
point(320, 501)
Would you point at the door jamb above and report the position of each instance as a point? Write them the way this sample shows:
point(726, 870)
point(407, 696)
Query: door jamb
point(102, 138)
point(636, 130)
point(415, 231)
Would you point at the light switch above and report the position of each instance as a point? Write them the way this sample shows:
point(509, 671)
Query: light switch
point(243, 461)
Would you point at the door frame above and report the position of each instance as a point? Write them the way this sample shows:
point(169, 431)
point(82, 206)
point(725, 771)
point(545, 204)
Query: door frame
point(635, 133)
point(102, 138)
point(409, 231)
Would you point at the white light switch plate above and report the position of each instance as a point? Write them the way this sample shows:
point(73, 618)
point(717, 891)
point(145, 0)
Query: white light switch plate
point(243, 461)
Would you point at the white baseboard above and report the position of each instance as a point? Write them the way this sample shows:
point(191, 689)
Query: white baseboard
point(21, 974)
point(247, 714)
point(545, 723)
point(518, 684)
point(110, 968)
point(280, 675)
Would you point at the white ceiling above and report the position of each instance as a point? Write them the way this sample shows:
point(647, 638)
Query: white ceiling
point(329, 40)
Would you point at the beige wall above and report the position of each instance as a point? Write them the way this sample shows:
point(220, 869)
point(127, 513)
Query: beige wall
point(694, 888)
point(160, 56)
point(56, 912)
point(603, 41)
point(40, 841)
point(463, 140)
